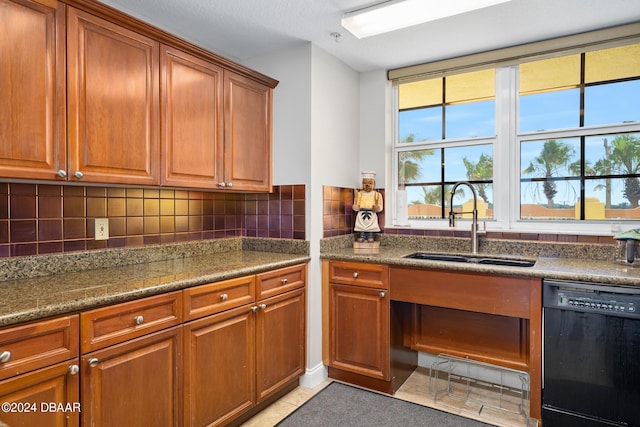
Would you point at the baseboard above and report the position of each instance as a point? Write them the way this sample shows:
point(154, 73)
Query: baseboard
point(314, 376)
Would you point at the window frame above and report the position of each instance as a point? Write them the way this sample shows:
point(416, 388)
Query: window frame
point(506, 157)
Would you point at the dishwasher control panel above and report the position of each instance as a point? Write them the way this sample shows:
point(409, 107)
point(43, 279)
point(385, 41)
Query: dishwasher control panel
point(600, 303)
point(592, 298)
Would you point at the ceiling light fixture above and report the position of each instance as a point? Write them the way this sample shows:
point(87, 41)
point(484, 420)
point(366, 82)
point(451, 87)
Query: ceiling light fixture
point(393, 15)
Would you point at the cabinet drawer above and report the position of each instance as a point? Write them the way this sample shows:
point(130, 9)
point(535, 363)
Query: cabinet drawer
point(106, 326)
point(282, 280)
point(37, 345)
point(213, 298)
point(359, 274)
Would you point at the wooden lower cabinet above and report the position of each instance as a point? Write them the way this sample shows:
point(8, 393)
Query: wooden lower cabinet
point(359, 322)
point(280, 341)
point(135, 383)
point(45, 397)
point(363, 330)
point(219, 375)
point(238, 358)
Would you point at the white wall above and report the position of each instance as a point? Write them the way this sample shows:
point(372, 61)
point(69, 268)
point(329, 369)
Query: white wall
point(291, 112)
point(375, 123)
point(316, 143)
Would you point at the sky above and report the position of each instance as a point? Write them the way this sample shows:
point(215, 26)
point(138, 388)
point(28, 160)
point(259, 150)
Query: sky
point(604, 104)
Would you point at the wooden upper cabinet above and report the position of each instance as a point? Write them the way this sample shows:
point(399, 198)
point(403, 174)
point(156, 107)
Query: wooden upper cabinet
point(113, 102)
point(192, 120)
point(248, 106)
point(32, 88)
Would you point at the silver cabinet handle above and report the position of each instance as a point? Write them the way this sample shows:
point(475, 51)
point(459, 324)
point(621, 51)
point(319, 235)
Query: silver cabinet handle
point(229, 184)
point(224, 297)
point(74, 369)
point(254, 308)
point(284, 281)
point(263, 306)
point(355, 274)
point(78, 174)
point(139, 320)
point(93, 362)
point(222, 184)
point(62, 173)
point(5, 356)
point(382, 294)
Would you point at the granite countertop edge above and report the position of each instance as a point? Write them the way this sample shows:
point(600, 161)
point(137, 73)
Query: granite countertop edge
point(595, 267)
point(69, 292)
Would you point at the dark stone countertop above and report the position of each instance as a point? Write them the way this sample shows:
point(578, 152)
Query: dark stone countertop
point(571, 262)
point(41, 296)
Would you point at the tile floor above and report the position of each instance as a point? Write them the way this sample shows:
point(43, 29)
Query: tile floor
point(417, 390)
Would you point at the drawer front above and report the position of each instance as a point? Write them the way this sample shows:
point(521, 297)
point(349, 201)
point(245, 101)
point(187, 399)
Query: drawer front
point(282, 280)
point(213, 298)
point(359, 274)
point(36, 345)
point(106, 326)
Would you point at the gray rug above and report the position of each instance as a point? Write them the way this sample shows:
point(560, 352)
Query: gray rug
point(342, 405)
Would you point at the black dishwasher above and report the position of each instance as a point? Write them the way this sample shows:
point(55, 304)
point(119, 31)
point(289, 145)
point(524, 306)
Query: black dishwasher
point(591, 355)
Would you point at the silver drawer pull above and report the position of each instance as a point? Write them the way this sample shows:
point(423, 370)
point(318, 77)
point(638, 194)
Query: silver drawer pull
point(254, 308)
point(62, 173)
point(78, 174)
point(263, 306)
point(224, 297)
point(5, 356)
point(382, 294)
point(93, 362)
point(74, 369)
point(284, 281)
point(139, 320)
point(355, 274)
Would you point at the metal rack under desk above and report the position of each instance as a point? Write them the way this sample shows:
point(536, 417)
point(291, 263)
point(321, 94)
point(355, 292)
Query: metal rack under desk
point(486, 385)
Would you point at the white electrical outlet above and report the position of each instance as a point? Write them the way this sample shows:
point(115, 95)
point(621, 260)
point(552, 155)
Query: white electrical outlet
point(102, 228)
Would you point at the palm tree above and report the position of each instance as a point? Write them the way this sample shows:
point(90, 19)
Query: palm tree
point(480, 171)
point(554, 155)
point(409, 162)
point(625, 158)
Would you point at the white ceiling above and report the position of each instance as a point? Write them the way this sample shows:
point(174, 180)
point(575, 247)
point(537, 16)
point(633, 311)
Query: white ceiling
point(243, 29)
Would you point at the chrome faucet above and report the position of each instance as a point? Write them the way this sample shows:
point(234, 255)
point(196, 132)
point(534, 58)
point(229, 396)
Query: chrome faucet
point(474, 222)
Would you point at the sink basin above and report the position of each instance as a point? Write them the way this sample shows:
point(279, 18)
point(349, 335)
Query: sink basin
point(473, 259)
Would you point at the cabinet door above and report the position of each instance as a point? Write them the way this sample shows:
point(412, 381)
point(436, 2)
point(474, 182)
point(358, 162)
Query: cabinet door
point(219, 356)
point(280, 341)
point(32, 84)
point(359, 330)
point(136, 383)
point(192, 131)
point(113, 91)
point(247, 134)
point(46, 397)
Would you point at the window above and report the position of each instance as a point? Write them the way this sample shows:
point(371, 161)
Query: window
point(535, 139)
point(446, 133)
point(573, 145)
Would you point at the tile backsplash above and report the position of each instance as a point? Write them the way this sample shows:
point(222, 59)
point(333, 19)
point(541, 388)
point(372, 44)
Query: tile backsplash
point(49, 218)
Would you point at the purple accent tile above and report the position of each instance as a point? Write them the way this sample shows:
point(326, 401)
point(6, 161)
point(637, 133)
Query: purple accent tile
point(49, 229)
point(22, 231)
point(24, 250)
point(74, 245)
point(49, 247)
point(22, 206)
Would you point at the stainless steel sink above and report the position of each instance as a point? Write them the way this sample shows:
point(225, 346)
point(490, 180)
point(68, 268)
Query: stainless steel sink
point(473, 259)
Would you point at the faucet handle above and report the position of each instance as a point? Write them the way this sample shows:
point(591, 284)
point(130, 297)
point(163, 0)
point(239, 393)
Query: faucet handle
point(452, 218)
